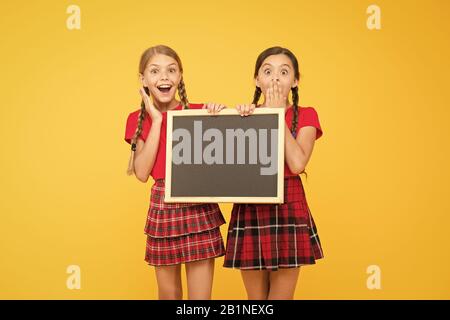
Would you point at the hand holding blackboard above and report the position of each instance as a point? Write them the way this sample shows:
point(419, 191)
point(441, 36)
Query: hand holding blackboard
point(213, 108)
point(245, 109)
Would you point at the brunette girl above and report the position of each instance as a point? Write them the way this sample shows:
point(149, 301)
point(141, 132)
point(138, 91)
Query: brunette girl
point(269, 242)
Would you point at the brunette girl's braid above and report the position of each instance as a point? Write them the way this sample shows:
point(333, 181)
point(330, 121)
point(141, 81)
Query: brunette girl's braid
point(295, 117)
point(138, 132)
point(256, 96)
point(182, 94)
point(295, 109)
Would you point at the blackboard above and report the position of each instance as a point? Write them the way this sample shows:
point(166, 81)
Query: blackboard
point(225, 157)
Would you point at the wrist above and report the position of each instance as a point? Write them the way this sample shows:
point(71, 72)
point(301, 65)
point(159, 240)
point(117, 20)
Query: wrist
point(157, 120)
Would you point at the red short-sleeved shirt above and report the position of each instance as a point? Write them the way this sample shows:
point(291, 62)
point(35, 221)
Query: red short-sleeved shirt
point(307, 117)
point(159, 168)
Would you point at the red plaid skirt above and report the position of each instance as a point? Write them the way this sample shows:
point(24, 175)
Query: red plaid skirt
point(181, 232)
point(266, 236)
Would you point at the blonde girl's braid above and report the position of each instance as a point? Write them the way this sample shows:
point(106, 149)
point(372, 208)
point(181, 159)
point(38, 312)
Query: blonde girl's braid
point(182, 94)
point(138, 132)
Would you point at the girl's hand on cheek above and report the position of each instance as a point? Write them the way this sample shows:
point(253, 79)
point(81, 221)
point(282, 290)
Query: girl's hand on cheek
point(154, 113)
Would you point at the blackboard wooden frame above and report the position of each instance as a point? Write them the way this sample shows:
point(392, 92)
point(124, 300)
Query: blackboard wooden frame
point(279, 198)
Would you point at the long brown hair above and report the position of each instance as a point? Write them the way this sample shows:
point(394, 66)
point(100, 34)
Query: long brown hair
point(145, 57)
point(259, 61)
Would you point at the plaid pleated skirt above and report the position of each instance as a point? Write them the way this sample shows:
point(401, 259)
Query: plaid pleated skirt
point(181, 232)
point(272, 236)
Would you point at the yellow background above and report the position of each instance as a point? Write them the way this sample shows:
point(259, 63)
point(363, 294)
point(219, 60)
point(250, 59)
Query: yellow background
point(378, 178)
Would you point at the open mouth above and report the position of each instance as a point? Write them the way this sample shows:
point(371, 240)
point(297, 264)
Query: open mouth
point(164, 88)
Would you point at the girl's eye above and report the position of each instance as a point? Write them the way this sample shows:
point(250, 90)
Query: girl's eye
point(172, 70)
point(153, 71)
point(284, 72)
point(267, 71)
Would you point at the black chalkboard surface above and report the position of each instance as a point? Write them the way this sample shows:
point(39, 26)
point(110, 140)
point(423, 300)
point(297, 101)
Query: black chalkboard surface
point(225, 157)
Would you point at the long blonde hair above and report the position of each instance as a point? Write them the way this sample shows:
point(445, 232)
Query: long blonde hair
point(145, 57)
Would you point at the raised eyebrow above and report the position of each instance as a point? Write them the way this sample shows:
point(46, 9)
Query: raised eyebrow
point(157, 65)
point(272, 65)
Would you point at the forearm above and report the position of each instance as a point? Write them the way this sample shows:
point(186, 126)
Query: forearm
point(145, 159)
point(294, 155)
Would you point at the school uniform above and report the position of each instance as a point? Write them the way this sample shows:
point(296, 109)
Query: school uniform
point(273, 236)
point(176, 232)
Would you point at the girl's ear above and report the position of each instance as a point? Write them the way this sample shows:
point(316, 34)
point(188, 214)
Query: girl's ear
point(295, 83)
point(256, 82)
